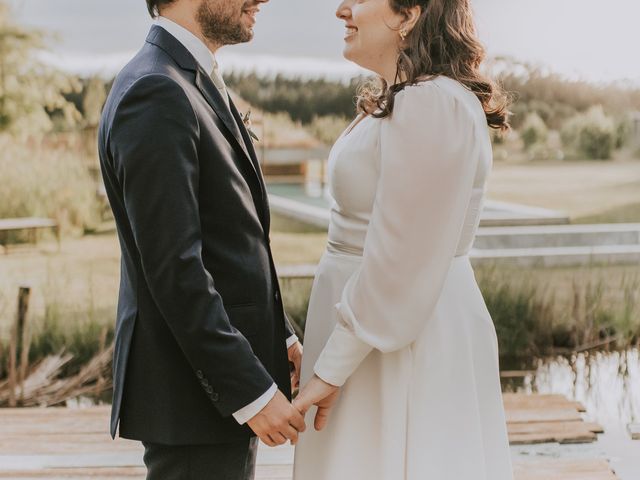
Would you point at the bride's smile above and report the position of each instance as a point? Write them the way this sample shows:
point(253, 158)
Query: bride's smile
point(350, 31)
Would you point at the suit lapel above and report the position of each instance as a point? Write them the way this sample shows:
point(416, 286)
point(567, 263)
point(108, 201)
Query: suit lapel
point(233, 122)
point(254, 160)
point(215, 100)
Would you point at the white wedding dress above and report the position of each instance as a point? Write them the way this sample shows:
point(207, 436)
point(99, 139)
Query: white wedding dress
point(395, 315)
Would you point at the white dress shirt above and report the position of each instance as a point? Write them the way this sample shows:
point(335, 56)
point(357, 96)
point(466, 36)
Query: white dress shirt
point(207, 61)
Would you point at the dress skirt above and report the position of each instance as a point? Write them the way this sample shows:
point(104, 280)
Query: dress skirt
point(430, 411)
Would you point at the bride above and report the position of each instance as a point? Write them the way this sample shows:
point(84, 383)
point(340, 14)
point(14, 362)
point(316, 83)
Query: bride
point(400, 349)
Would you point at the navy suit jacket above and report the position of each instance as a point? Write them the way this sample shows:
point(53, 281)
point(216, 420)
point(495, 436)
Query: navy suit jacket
point(201, 330)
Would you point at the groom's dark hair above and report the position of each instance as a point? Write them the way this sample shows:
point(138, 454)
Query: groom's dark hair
point(154, 6)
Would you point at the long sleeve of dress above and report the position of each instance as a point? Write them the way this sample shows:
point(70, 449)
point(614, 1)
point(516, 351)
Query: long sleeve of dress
point(428, 164)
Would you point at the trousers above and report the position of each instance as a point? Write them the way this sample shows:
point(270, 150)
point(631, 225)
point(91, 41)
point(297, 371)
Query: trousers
point(227, 461)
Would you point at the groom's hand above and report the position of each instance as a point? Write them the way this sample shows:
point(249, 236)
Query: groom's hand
point(295, 358)
point(278, 422)
point(320, 393)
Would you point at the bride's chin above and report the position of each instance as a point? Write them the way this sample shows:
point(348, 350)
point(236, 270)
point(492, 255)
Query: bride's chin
point(347, 53)
point(353, 58)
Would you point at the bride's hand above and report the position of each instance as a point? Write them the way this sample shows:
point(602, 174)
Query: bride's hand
point(320, 393)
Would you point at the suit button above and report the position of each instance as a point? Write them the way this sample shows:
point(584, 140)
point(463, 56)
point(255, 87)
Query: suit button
point(214, 397)
point(199, 374)
point(209, 389)
point(277, 296)
point(205, 383)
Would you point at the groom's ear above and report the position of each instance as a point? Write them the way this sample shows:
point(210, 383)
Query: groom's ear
point(154, 6)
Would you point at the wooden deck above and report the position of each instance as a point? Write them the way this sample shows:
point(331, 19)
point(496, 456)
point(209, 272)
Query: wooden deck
point(73, 444)
point(547, 418)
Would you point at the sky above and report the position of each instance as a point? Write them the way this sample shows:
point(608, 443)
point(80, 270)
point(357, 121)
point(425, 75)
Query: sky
point(588, 39)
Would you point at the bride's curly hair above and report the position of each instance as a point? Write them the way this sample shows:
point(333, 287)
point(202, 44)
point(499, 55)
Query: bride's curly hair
point(442, 42)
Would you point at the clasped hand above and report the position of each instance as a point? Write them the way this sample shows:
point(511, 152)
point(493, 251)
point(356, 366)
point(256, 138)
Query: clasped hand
point(321, 394)
point(280, 420)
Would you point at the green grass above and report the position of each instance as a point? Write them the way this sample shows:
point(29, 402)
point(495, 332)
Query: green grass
point(629, 213)
point(551, 310)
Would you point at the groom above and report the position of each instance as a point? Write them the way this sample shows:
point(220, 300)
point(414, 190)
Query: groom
point(203, 347)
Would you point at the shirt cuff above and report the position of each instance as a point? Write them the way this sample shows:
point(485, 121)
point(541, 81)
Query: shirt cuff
point(245, 414)
point(291, 341)
point(341, 356)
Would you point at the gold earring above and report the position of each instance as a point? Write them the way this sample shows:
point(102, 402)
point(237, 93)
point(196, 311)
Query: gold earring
point(403, 34)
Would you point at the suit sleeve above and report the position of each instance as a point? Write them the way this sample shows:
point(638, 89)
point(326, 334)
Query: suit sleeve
point(425, 185)
point(154, 145)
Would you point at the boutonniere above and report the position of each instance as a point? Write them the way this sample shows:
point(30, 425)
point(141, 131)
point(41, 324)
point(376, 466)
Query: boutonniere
point(246, 119)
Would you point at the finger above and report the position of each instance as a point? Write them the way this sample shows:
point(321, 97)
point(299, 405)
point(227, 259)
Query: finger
point(301, 405)
point(278, 438)
point(291, 433)
point(297, 361)
point(295, 381)
point(297, 421)
point(297, 374)
point(322, 417)
point(267, 440)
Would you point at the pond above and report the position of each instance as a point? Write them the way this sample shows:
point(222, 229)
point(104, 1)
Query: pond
point(607, 383)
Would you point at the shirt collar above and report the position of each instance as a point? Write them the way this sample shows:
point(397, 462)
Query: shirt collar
point(193, 44)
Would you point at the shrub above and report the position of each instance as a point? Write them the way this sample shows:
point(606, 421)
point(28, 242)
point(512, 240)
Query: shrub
point(534, 131)
point(591, 135)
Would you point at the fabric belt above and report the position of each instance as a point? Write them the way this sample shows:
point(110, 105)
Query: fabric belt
point(344, 249)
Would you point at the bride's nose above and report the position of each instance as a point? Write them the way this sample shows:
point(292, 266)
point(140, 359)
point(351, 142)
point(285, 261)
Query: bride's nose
point(343, 12)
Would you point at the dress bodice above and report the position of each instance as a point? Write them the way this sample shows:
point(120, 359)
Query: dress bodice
point(354, 170)
point(353, 175)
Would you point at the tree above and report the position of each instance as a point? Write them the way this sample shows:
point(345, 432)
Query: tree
point(31, 93)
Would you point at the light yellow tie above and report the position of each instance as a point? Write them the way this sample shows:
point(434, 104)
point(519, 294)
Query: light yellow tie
point(219, 83)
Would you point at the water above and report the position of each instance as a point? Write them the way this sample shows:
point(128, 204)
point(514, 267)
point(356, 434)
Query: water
point(608, 385)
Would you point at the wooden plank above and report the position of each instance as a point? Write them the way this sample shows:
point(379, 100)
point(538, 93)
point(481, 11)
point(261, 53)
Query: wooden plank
point(542, 415)
point(580, 469)
point(594, 427)
point(542, 432)
point(521, 401)
point(274, 472)
point(266, 472)
point(78, 473)
point(532, 438)
point(634, 431)
point(63, 444)
point(552, 427)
